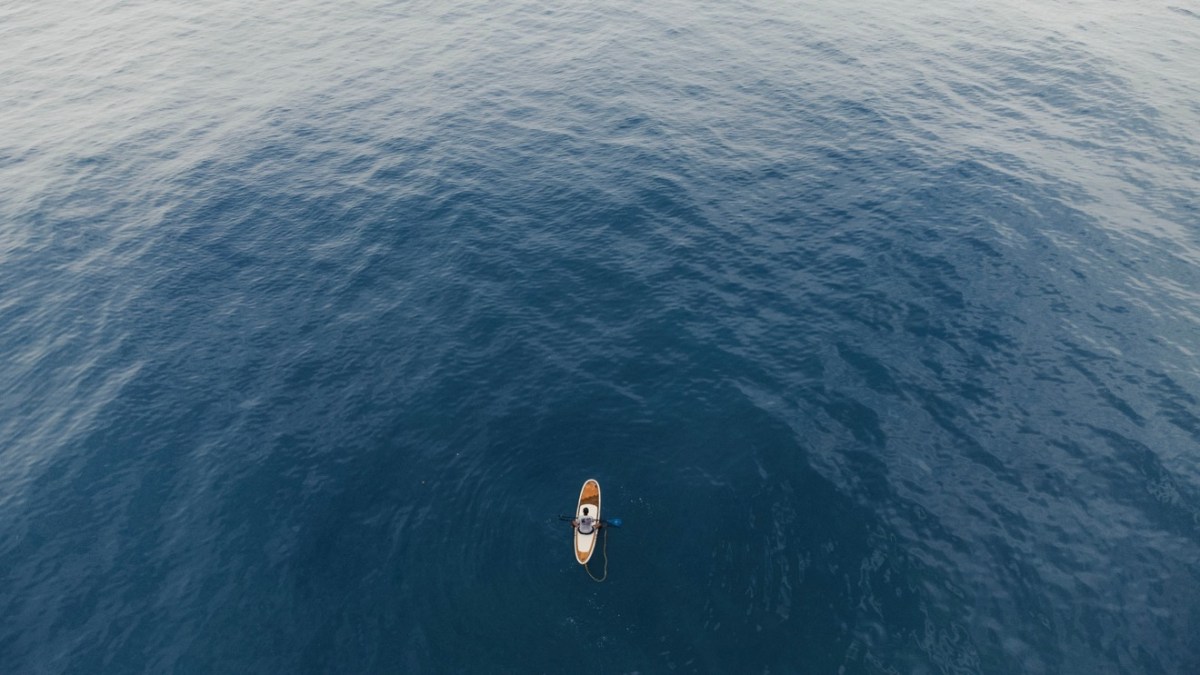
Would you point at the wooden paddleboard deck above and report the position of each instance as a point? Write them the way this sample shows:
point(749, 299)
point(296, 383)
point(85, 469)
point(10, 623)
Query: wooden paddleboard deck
point(589, 507)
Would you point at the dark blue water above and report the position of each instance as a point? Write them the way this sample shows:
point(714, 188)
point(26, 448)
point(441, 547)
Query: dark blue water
point(879, 326)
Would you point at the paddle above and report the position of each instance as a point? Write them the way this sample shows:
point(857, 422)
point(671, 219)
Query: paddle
point(615, 522)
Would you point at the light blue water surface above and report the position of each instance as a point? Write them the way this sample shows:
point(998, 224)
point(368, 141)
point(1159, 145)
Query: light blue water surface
point(877, 323)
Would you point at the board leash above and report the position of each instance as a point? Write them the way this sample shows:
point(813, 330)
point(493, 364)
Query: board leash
point(604, 549)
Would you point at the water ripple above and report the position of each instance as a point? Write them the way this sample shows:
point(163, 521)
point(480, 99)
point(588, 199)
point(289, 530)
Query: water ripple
point(876, 322)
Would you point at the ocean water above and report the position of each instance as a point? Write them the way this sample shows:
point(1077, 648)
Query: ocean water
point(878, 323)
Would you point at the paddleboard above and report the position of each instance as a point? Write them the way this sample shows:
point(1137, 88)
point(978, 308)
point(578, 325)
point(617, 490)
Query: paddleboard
point(589, 507)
